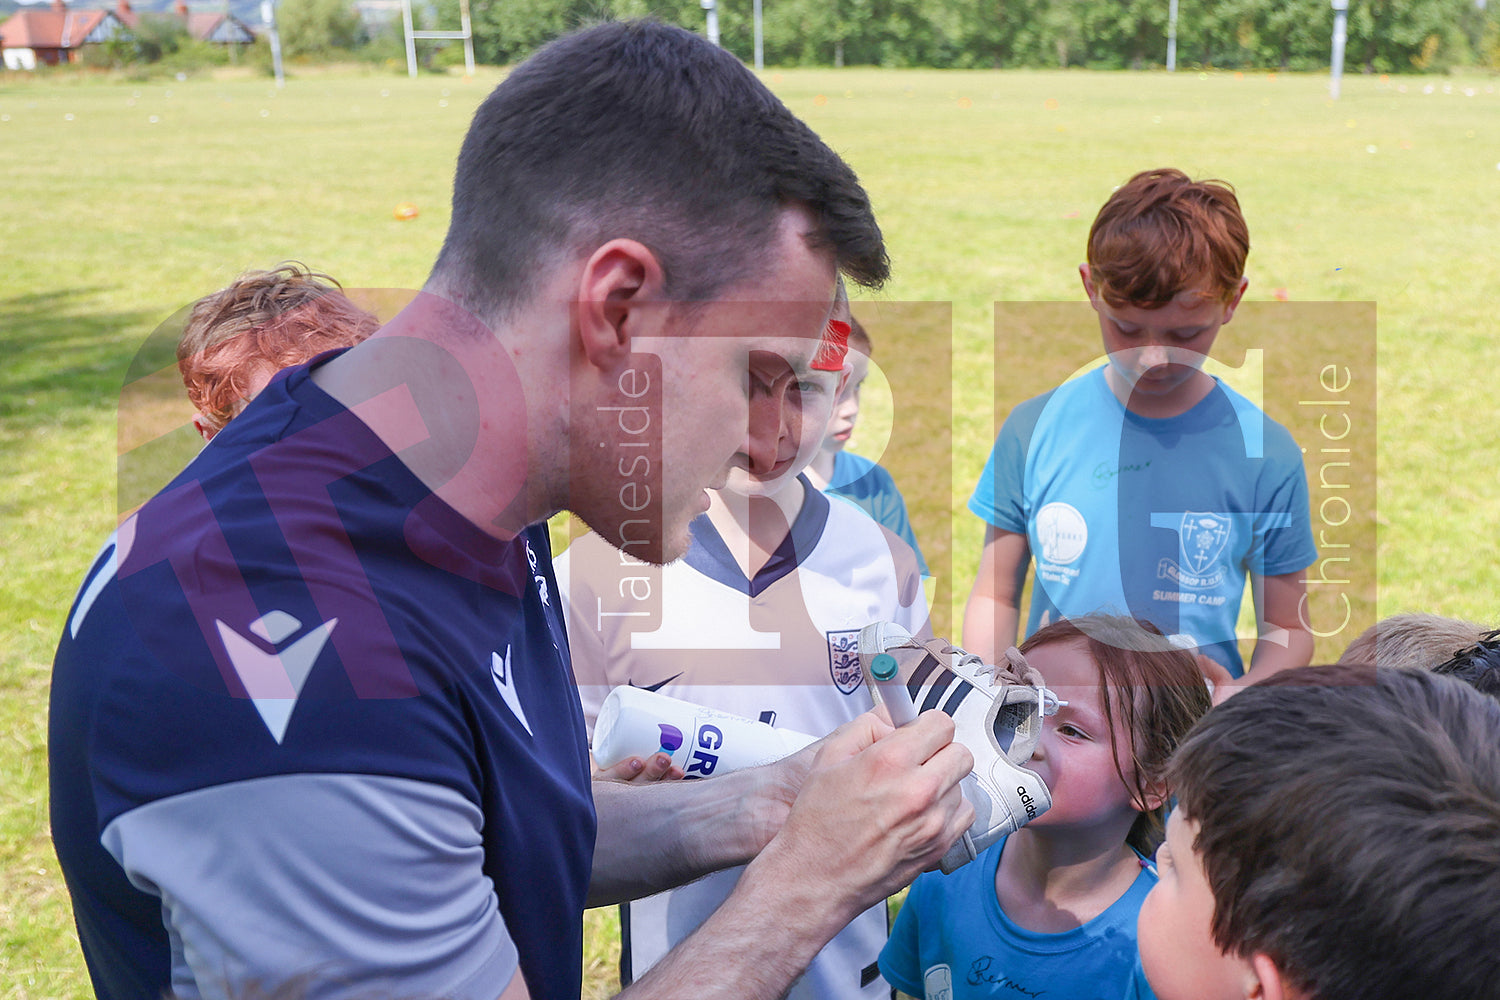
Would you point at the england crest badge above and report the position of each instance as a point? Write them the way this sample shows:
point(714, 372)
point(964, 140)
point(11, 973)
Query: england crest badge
point(843, 660)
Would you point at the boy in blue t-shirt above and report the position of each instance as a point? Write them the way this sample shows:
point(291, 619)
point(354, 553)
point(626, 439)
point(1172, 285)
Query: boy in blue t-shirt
point(1147, 486)
point(842, 473)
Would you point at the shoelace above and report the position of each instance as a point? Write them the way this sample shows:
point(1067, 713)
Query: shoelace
point(1016, 670)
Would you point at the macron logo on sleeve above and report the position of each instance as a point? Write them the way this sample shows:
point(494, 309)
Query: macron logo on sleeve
point(505, 683)
point(274, 680)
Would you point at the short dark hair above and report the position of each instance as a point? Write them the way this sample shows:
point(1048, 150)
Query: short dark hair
point(1477, 665)
point(1349, 826)
point(641, 130)
point(1163, 233)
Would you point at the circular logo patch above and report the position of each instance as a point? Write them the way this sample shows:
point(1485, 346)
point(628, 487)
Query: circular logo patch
point(1062, 532)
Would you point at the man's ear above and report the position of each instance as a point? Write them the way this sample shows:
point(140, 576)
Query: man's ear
point(1234, 301)
point(619, 299)
point(1265, 980)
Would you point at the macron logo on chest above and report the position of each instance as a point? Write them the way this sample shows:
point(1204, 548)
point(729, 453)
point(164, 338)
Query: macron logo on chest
point(505, 683)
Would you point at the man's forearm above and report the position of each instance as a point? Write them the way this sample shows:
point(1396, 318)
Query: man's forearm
point(872, 815)
point(743, 953)
point(653, 837)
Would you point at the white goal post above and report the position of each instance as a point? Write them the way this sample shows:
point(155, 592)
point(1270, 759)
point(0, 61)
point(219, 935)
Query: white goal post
point(465, 33)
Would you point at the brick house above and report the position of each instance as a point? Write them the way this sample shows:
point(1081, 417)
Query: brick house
point(54, 34)
point(220, 28)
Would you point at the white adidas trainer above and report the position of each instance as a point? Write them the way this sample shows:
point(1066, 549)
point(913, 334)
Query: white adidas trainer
point(997, 712)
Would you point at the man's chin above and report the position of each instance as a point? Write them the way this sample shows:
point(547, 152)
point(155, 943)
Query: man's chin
point(656, 549)
point(674, 548)
point(671, 546)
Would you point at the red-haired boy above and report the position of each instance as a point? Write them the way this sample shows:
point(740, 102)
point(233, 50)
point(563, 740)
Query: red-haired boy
point(237, 338)
point(1148, 487)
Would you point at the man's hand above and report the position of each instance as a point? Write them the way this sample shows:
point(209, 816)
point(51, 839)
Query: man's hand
point(878, 807)
point(868, 797)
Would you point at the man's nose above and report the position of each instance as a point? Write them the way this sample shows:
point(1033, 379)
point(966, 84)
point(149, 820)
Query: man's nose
point(769, 425)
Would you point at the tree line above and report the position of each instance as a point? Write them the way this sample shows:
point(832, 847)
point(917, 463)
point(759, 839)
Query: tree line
point(1384, 36)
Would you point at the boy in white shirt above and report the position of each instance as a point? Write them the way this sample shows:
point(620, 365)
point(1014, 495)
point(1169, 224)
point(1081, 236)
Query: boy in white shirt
point(760, 618)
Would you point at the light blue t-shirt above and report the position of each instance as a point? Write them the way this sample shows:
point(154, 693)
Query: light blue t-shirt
point(1160, 519)
point(953, 942)
point(869, 486)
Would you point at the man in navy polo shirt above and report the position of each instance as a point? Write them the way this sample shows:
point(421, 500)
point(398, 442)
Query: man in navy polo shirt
point(312, 716)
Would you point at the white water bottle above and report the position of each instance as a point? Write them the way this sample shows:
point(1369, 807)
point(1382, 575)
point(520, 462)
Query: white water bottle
point(702, 742)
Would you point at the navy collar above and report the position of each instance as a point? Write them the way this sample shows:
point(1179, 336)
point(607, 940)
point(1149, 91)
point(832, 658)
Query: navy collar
point(710, 556)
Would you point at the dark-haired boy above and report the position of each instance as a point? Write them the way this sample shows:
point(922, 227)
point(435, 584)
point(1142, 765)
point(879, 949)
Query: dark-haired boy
point(1148, 487)
point(1336, 837)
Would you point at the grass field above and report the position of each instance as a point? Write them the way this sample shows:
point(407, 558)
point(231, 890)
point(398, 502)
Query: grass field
point(124, 202)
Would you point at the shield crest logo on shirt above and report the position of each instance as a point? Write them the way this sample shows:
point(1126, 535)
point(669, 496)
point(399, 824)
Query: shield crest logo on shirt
point(1203, 538)
point(843, 660)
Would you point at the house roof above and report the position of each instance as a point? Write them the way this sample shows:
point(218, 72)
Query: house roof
point(54, 28)
point(220, 27)
point(50, 29)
